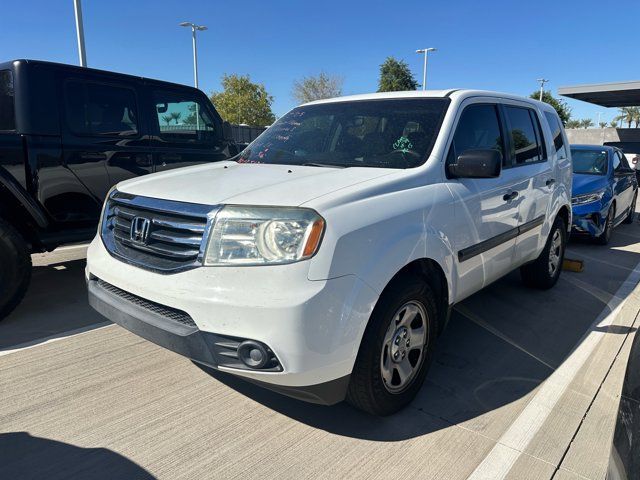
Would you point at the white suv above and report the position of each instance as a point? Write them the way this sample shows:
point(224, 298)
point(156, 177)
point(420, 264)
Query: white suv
point(323, 262)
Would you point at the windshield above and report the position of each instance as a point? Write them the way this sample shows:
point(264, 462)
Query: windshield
point(590, 162)
point(396, 133)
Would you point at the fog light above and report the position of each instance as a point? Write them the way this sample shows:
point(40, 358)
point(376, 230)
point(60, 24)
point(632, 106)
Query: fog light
point(253, 354)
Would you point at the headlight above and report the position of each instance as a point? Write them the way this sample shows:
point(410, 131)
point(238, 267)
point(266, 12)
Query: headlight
point(263, 235)
point(587, 198)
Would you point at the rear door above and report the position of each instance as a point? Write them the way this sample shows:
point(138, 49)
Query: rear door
point(532, 174)
point(624, 183)
point(486, 209)
point(185, 129)
point(102, 136)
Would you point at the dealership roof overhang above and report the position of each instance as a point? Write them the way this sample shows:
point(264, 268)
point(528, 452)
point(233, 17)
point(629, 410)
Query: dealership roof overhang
point(618, 94)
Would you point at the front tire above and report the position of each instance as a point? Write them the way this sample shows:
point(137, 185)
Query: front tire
point(15, 273)
point(396, 349)
point(544, 272)
point(605, 236)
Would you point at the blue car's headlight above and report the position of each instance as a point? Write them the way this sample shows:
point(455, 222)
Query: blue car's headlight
point(587, 198)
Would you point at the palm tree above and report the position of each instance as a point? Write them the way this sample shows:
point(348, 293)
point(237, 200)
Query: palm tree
point(613, 124)
point(167, 118)
point(573, 123)
point(176, 116)
point(586, 123)
point(628, 115)
point(602, 124)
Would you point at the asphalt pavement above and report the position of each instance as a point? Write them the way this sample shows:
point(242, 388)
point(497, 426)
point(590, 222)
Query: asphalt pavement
point(525, 384)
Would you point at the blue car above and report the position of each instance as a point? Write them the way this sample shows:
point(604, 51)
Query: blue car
point(604, 191)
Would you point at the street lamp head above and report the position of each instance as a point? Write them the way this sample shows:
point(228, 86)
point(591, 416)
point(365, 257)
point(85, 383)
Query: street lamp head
point(185, 24)
point(425, 50)
point(431, 49)
point(200, 27)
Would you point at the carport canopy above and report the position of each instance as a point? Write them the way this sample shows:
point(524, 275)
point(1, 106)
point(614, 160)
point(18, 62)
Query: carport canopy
point(618, 94)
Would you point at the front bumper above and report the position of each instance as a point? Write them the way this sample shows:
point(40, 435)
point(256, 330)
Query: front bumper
point(313, 327)
point(589, 219)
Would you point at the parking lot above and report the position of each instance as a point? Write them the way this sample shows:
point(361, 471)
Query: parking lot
point(525, 384)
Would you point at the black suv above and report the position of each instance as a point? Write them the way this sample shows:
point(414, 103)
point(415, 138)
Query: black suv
point(68, 134)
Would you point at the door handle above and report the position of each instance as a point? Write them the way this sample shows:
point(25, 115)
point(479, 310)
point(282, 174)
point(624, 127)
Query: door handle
point(507, 197)
point(550, 182)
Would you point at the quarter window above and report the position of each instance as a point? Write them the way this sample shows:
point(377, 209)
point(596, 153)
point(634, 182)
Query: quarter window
point(7, 113)
point(478, 128)
point(556, 132)
point(524, 131)
point(97, 109)
point(183, 118)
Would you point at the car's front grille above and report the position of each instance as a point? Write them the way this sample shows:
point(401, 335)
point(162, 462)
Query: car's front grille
point(168, 313)
point(159, 235)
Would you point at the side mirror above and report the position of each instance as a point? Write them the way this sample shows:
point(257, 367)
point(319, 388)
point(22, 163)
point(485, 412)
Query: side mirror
point(227, 132)
point(477, 163)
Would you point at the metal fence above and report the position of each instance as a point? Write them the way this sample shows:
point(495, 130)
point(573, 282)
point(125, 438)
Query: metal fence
point(244, 134)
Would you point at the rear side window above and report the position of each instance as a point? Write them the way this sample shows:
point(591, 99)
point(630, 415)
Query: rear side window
point(524, 131)
point(556, 132)
point(97, 109)
point(183, 118)
point(7, 112)
point(478, 128)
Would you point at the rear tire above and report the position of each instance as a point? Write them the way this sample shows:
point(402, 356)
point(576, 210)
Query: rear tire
point(389, 369)
point(632, 210)
point(605, 236)
point(544, 272)
point(15, 273)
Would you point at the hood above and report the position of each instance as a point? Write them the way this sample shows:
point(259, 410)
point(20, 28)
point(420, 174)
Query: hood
point(249, 184)
point(583, 183)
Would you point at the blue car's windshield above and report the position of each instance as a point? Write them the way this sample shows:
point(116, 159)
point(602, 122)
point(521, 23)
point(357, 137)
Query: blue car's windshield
point(390, 133)
point(590, 162)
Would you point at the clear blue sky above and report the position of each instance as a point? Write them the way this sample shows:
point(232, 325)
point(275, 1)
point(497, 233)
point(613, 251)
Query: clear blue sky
point(502, 46)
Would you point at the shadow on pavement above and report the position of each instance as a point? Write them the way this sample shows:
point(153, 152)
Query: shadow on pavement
point(56, 302)
point(500, 344)
point(23, 456)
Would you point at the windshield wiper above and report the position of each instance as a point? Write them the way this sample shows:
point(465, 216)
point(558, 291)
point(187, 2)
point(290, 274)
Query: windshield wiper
point(325, 165)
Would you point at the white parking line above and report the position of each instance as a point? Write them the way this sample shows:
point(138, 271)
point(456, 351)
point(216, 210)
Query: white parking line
point(53, 338)
point(515, 440)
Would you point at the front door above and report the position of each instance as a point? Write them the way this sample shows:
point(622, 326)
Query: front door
point(486, 209)
point(623, 183)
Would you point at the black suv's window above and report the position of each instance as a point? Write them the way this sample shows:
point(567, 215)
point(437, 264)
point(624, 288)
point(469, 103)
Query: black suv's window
point(525, 135)
point(389, 133)
point(96, 109)
point(556, 132)
point(478, 128)
point(182, 117)
point(7, 112)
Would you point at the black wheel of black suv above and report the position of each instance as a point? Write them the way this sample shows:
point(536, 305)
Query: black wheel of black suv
point(543, 273)
point(397, 348)
point(15, 268)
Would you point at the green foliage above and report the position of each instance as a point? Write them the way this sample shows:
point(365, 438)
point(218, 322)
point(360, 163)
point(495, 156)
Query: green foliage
point(560, 106)
point(243, 101)
point(319, 87)
point(602, 124)
point(167, 118)
point(586, 123)
point(395, 76)
point(613, 124)
point(175, 116)
point(573, 124)
point(629, 115)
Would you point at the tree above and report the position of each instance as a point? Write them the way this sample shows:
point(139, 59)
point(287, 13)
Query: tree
point(573, 124)
point(176, 116)
point(312, 88)
point(586, 123)
point(613, 124)
point(560, 106)
point(602, 124)
point(395, 76)
point(167, 118)
point(242, 101)
point(629, 115)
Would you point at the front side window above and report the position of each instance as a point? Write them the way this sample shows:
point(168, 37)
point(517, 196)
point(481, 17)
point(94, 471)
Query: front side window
point(397, 133)
point(556, 132)
point(624, 164)
point(478, 128)
point(183, 118)
point(589, 162)
point(525, 140)
point(7, 109)
point(97, 109)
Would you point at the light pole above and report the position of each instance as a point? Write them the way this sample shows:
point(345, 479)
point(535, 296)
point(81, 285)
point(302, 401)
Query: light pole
point(542, 82)
point(194, 28)
point(424, 70)
point(77, 7)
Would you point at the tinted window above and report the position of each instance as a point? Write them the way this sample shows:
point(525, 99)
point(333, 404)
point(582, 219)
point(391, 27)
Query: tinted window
point(95, 109)
point(478, 128)
point(181, 117)
point(623, 163)
point(367, 133)
point(7, 114)
point(590, 162)
point(525, 135)
point(616, 163)
point(556, 132)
